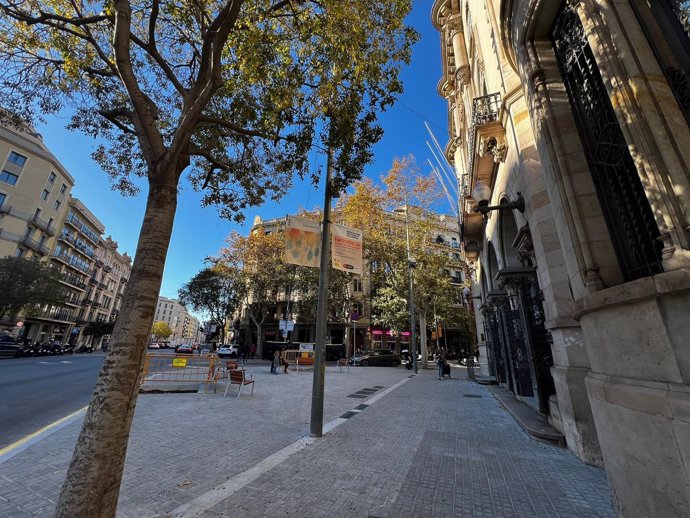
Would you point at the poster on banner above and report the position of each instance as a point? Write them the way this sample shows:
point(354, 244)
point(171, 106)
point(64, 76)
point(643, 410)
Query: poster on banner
point(346, 249)
point(302, 242)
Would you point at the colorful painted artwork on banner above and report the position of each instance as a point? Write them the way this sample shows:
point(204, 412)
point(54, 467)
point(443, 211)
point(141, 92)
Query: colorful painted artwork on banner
point(303, 242)
point(346, 249)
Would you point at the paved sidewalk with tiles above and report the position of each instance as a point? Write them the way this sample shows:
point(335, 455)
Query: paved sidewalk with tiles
point(397, 446)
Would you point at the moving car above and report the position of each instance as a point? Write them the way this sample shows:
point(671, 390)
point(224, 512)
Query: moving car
point(184, 349)
point(228, 351)
point(378, 357)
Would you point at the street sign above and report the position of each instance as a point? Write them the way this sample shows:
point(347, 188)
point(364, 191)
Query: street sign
point(20, 324)
point(179, 362)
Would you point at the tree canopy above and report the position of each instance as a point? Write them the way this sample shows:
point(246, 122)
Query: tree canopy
point(162, 330)
point(26, 284)
point(216, 291)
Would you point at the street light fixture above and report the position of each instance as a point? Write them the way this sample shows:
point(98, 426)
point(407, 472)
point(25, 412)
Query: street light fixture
point(482, 194)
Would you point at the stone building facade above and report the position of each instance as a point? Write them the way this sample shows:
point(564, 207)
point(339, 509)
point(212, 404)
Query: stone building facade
point(580, 109)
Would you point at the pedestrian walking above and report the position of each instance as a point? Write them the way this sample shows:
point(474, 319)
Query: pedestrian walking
point(252, 351)
point(440, 362)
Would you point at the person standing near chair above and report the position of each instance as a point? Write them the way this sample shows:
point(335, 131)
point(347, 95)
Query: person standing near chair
point(276, 362)
point(283, 361)
point(440, 362)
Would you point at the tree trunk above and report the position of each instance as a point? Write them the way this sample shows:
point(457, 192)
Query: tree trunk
point(92, 485)
point(422, 340)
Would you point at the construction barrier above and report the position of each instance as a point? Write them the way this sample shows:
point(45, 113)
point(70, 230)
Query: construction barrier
point(182, 368)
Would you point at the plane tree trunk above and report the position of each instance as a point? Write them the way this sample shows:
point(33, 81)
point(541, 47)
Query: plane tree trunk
point(92, 484)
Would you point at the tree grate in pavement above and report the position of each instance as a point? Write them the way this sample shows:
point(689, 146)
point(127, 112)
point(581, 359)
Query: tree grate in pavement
point(366, 392)
point(471, 395)
point(379, 386)
point(361, 407)
point(348, 415)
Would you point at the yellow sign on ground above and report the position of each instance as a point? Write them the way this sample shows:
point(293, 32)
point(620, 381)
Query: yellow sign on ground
point(179, 362)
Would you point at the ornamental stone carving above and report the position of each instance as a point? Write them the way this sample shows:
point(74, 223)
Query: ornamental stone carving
point(462, 75)
point(495, 145)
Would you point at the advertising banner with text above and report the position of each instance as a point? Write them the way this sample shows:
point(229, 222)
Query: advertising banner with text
point(346, 253)
point(302, 242)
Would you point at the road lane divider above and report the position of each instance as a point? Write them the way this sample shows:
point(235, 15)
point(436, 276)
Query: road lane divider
point(27, 441)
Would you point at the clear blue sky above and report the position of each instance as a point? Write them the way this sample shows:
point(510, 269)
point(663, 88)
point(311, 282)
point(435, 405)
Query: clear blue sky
point(199, 232)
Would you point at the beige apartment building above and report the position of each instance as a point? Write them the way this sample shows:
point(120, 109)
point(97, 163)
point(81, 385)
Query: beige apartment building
point(34, 189)
point(176, 316)
point(568, 124)
point(39, 217)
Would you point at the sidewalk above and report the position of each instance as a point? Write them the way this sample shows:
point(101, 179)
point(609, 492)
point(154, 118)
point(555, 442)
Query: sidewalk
point(409, 446)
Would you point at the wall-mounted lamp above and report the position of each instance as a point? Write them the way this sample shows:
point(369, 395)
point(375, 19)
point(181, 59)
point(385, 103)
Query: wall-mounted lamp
point(467, 295)
point(482, 194)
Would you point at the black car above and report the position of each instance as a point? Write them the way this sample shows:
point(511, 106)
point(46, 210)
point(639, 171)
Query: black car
point(378, 357)
point(10, 347)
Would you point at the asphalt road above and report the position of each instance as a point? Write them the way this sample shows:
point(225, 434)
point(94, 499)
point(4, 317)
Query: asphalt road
point(37, 391)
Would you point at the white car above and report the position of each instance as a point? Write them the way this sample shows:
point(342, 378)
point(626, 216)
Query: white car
point(154, 345)
point(228, 351)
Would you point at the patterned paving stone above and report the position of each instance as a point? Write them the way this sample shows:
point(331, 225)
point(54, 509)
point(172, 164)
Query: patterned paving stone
point(422, 450)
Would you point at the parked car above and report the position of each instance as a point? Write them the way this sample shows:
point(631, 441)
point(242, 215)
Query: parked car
point(378, 357)
point(154, 345)
point(184, 349)
point(10, 347)
point(228, 351)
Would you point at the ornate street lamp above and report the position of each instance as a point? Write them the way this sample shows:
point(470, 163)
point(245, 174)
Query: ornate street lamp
point(482, 194)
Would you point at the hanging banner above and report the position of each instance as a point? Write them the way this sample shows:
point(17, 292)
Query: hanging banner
point(346, 249)
point(302, 242)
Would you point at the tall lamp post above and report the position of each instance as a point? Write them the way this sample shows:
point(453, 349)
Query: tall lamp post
point(316, 421)
point(410, 266)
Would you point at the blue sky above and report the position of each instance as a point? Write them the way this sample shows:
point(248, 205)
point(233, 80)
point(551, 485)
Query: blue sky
point(199, 232)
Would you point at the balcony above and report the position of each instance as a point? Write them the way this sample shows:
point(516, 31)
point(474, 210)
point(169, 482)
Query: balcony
point(93, 282)
point(34, 245)
point(43, 225)
point(107, 268)
point(124, 279)
point(59, 314)
point(486, 148)
point(72, 280)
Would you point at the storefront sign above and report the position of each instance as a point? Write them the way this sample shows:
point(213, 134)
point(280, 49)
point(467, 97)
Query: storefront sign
point(304, 348)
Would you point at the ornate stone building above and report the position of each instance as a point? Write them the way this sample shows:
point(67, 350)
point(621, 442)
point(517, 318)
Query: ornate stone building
point(568, 124)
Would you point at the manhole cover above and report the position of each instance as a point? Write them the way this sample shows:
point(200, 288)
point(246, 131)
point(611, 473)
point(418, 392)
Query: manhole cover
point(471, 395)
